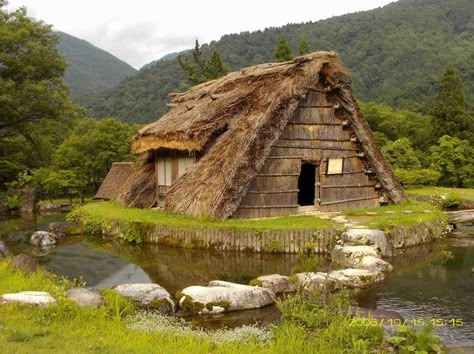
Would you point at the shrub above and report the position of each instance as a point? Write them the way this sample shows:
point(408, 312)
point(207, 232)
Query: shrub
point(451, 200)
point(13, 202)
point(408, 340)
point(417, 176)
point(132, 232)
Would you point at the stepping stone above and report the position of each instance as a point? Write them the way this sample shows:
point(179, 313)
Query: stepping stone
point(85, 297)
point(346, 278)
point(39, 298)
point(350, 256)
point(24, 263)
point(221, 296)
point(148, 295)
point(368, 237)
point(276, 282)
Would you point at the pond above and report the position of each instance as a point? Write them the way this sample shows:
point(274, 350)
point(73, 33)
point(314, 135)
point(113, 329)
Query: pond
point(429, 283)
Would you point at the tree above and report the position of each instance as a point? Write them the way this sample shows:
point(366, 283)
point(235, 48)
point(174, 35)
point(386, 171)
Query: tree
point(453, 158)
point(283, 51)
point(92, 147)
point(31, 72)
point(303, 47)
point(215, 68)
point(203, 69)
point(450, 110)
point(401, 154)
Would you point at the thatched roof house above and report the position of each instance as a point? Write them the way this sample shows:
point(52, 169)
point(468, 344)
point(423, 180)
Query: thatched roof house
point(114, 180)
point(261, 142)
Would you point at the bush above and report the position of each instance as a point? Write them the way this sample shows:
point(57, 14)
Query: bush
point(451, 200)
point(418, 177)
point(132, 232)
point(408, 340)
point(13, 202)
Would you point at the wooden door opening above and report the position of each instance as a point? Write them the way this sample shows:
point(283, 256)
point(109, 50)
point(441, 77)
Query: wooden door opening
point(306, 184)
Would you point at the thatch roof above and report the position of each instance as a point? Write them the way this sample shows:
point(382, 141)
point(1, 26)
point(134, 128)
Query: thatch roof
point(114, 180)
point(234, 121)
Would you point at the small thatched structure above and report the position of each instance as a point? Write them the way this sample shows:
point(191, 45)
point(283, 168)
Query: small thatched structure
point(114, 180)
point(261, 142)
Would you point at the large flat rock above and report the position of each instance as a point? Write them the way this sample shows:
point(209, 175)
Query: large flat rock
point(350, 256)
point(345, 278)
point(39, 298)
point(369, 237)
point(276, 282)
point(85, 297)
point(148, 295)
point(221, 296)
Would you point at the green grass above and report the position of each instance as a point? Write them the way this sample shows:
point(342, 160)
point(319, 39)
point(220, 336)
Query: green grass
point(113, 211)
point(118, 327)
point(464, 193)
point(393, 215)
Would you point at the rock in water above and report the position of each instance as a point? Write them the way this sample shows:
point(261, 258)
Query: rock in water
point(345, 278)
point(4, 250)
point(276, 282)
point(28, 298)
point(85, 297)
point(148, 295)
point(350, 256)
point(64, 229)
point(369, 237)
point(24, 263)
point(374, 264)
point(43, 238)
point(222, 296)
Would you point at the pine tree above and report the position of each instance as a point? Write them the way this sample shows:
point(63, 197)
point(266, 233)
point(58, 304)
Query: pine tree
point(215, 68)
point(450, 110)
point(303, 46)
point(203, 70)
point(283, 51)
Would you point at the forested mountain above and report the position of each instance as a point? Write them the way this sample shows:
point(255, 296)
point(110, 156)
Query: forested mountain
point(90, 69)
point(396, 55)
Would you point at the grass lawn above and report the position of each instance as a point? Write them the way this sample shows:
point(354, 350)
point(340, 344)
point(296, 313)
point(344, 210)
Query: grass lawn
point(119, 327)
point(463, 193)
point(113, 211)
point(386, 217)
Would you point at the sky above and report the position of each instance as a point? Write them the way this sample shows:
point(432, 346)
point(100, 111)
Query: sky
point(140, 31)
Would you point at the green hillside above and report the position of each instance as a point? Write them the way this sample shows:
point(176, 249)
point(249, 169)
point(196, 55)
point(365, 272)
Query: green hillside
point(90, 69)
point(396, 55)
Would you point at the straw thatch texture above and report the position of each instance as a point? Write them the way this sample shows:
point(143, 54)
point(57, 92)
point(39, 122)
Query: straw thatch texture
point(114, 180)
point(139, 190)
point(233, 123)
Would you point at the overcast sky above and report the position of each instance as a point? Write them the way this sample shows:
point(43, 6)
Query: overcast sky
point(139, 31)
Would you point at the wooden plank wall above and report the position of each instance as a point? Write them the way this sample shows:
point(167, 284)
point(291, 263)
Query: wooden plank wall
point(314, 134)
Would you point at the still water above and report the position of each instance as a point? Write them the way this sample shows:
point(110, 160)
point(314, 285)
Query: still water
point(430, 283)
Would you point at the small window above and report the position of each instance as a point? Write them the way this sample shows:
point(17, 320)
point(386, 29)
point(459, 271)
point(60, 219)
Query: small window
point(183, 164)
point(164, 172)
point(335, 166)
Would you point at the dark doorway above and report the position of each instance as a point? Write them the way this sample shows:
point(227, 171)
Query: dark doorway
point(306, 184)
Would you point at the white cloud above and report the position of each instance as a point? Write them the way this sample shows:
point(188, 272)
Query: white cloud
point(140, 31)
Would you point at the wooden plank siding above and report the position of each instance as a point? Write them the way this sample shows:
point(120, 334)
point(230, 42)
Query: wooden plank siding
point(314, 134)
